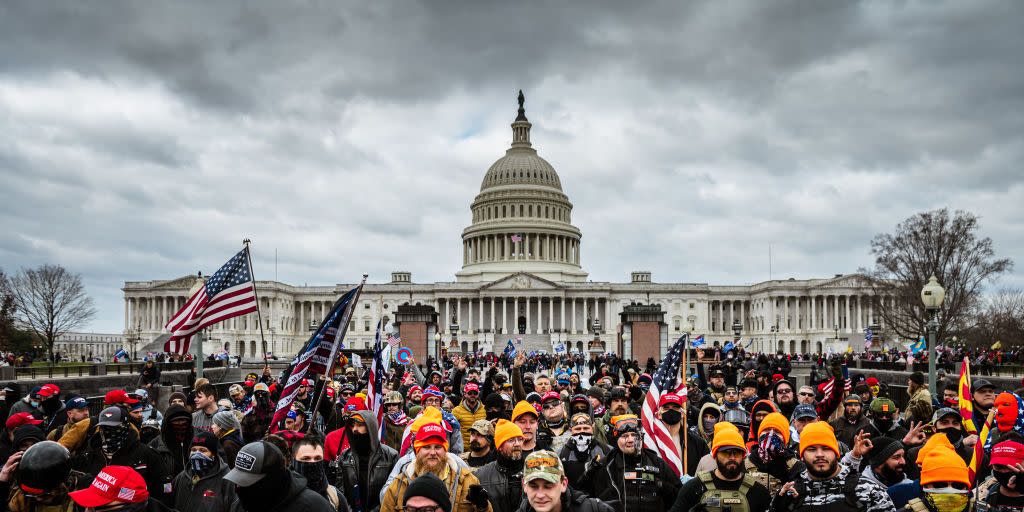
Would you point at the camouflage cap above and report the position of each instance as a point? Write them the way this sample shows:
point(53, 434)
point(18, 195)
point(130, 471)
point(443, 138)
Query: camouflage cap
point(483, 427)
point(882, 405)
point(545, 465)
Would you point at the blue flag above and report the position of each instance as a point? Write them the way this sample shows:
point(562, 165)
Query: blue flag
point(121, 354)
point(918, 346)
point(510, 349)
point(728, 346)
point(697, 342)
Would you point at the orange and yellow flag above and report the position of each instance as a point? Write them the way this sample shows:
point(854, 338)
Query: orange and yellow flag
point(965, 402)
point(979, 448)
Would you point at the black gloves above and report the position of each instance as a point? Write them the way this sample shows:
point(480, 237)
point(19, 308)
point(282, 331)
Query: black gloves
point(477, 495)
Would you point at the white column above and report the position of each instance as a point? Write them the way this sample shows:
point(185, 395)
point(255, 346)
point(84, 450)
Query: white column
point(515, 315)
point(480, 326)
point(607, 316)
point(561, 317)
point(551, 314)
point(126, 324)
point(849, 324)
point(527, 301)
point(573, 315)
point(813, 317)
point(871, 310)
point(504, 316)
point(835, 311)
point(458, 315)
point(493, 319)
point(860, 314)
point(785, 313)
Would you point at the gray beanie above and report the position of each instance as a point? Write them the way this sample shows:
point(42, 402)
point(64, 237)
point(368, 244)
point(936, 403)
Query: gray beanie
point(227, 420)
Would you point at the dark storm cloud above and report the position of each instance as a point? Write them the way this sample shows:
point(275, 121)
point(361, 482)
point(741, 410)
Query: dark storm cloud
point(144, 141)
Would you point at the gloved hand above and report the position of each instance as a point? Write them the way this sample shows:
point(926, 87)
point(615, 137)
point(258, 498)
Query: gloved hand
point(478, 496)
point(685, 478)
point(836, 368)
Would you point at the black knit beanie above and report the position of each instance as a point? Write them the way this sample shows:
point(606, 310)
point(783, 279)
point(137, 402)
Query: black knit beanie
point(881, 449)
point(429, 486)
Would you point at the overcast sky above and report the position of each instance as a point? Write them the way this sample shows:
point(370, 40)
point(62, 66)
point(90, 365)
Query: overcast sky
point(145, 140)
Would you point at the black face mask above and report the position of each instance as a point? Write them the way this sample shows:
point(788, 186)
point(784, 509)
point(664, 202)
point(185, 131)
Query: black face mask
point(360, 442)
point(954, 435)
point(672, 417)
point(884, 424)
point(267, 494)
point(1003, 477)
point(315, 474)
point(891, 476)
point(494, 414)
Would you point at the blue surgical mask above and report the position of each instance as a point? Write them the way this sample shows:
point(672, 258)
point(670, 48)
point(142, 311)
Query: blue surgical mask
point(34, 403)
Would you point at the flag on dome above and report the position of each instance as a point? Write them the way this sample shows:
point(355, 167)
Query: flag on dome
point(666, 380)
point(230, 292)
point(516, 239)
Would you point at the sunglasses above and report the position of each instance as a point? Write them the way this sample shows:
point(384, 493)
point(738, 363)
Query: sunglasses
point(804, 393)
point(550, 405)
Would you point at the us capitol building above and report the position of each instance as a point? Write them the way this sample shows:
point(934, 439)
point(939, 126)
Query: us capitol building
point(522, 278)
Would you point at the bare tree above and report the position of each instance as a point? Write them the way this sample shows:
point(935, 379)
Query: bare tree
point(6, 312)
point(50, 301)
point(927, 244)
point(998, 317)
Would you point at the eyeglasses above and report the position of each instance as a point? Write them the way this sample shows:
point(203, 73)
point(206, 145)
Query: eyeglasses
point(551, 405)
point(428, 508)
point(804, 393)
point(784, 392)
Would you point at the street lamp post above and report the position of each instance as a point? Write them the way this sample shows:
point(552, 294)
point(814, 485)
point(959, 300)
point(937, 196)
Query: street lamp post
point(775, 330)
point(835, 327)
point(932, 296)
point(737, 327)
point(437, 344)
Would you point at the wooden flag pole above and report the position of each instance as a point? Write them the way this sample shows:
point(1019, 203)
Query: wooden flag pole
point(686, 404)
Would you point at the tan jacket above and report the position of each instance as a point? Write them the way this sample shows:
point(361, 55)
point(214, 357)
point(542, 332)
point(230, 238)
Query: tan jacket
point(919, 408)
point(458, 480)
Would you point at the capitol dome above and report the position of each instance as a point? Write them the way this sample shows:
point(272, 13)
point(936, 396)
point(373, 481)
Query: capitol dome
point(522, 220)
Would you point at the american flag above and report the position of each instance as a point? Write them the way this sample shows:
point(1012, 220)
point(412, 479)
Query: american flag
point(375, 386)
point(665, 380)
point(516, 239)
point(229, 293)
point(393, 340)
point(334, 327)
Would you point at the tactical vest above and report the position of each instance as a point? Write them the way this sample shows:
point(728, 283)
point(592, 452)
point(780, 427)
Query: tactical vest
point(770, 482)
point(717, 500)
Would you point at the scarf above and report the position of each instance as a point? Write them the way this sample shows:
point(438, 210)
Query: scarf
point(113, 440)
point(315, 474)
point(399, 418)
point(769, 446)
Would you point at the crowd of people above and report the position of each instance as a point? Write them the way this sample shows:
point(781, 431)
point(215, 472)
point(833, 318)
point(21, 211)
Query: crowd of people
point(518, 434)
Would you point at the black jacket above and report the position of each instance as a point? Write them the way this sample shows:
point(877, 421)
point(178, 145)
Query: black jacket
point(574, 501)
point(210, 493)
point(607, 481)
point(133, 454)
point(298, 499)
point(174, 453)
point(504, 485)
point(382, 460)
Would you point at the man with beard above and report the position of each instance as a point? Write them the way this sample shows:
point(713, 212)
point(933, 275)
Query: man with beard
point(117, 444)
point(480, 451)
point(469, 409)
point(551, 433)
point(886, 462)
point(72, 434)
point(716, 384)
point(527, 419)
point(581, 449)
point(547, 488)
point(431, 456)
point(1005, 488)
point(618, 404)
point(502, 478)
point(784, 396)
point(852, 422)
point(265, 484)
point(631, 476)
point(727, 486)
point(364, 466)
point(826, 484)
point(770, 461)
point(257, 419)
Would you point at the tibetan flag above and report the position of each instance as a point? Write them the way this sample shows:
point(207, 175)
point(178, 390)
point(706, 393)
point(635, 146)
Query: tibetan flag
point(979, 448)
point(966, 405)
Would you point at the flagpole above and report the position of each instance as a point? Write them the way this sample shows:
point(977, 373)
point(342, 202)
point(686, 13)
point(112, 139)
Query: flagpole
point(259, 318)
point(338, 337)
point(686, 406)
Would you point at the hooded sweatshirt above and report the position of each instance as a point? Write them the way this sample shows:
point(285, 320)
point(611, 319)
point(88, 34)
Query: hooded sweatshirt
point(174, 452)
point(704, 433)
point(761, 405)
point(361, 476)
